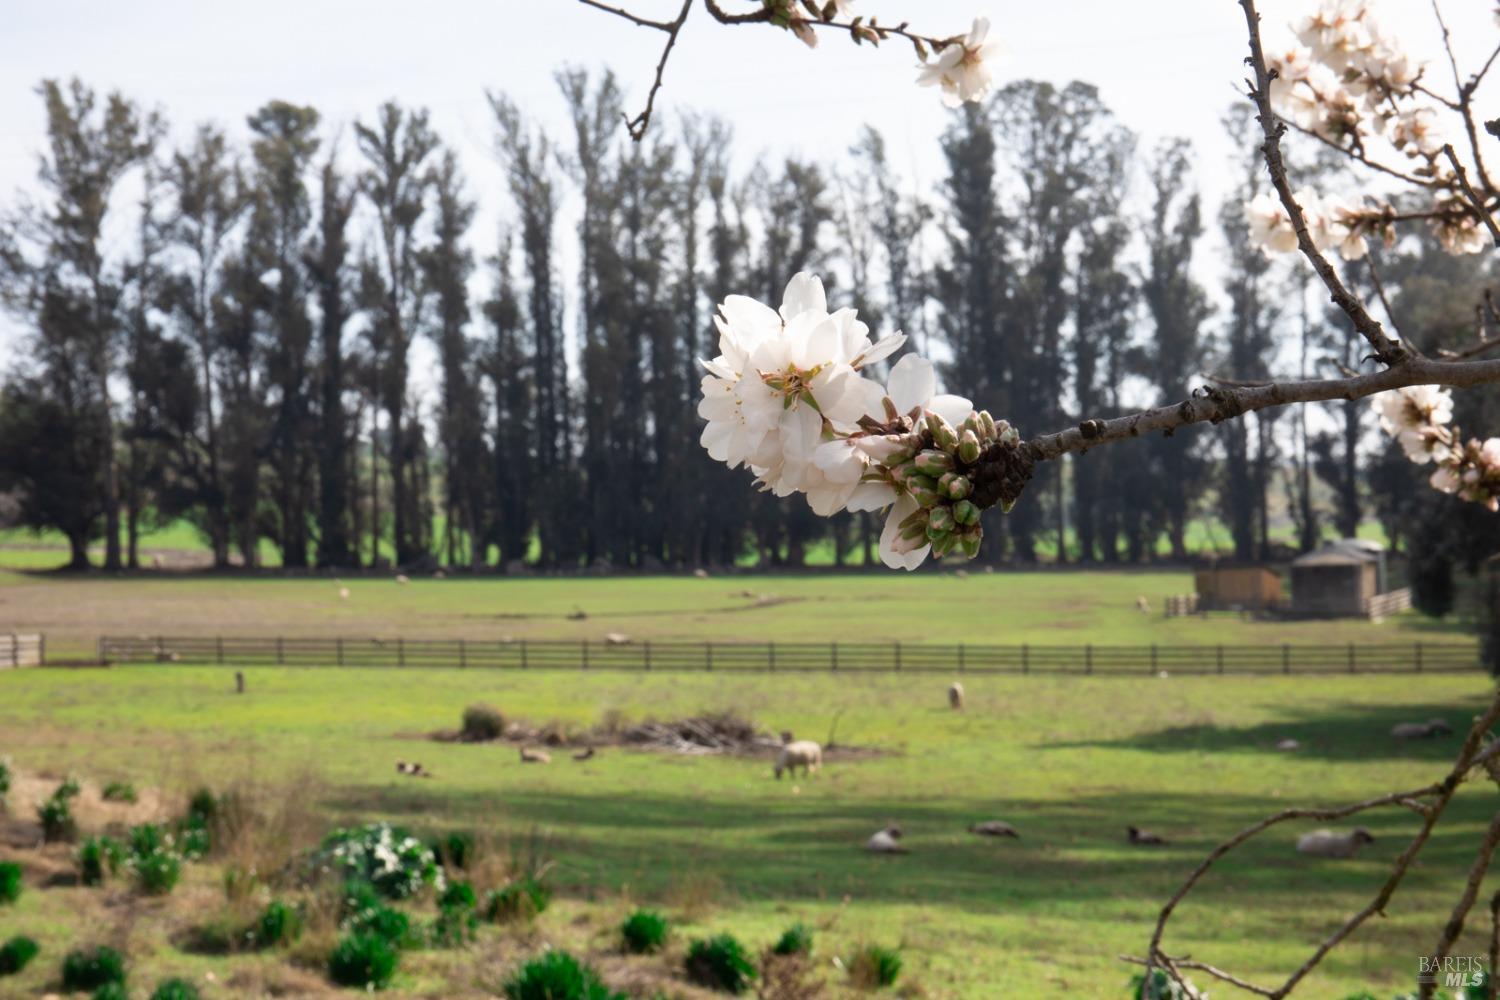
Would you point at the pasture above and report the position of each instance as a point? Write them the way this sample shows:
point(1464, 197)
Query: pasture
point(718, 844)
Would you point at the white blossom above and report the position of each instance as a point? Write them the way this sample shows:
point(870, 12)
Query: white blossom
point(1416, 130)
point(1270, 225)
point(962, 69)
point(1414, 416)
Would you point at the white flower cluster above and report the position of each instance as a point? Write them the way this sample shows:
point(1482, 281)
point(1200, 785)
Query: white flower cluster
point(788, 398)
point(394, 862)
point(1418, 418)
point(962, 69)
point(1347, 80)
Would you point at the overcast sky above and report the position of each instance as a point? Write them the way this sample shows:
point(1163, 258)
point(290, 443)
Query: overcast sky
point(1171, 68)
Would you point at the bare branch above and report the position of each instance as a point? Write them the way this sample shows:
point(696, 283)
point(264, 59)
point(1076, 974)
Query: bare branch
point(1474, 199)
point(644, 22)
point(1455, 924)
point(1387, 350)
point(1363, 159)
point(1215, 405)
point(1464, 105)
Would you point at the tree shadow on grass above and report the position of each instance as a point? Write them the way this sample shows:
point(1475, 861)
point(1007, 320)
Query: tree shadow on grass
point(1073, 851)
point(1339, 731)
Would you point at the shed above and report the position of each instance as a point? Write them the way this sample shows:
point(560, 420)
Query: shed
point(1222, 588)
point(1336, 581)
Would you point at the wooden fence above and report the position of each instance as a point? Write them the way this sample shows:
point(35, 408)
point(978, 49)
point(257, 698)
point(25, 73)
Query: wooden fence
point(17, 650)
point(1411, 657)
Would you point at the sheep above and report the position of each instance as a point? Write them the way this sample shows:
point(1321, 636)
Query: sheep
point(1421, 730)
point(955, 696)
point(1288, 744)
point(1328, 844)
point(700, 573)
point(529, 756)
point(343, 593)
point(1136, 835)
point(994, 828)
point(402, 579)
point(803, 753)
point(1439, 727)
point(585, 754)
point(616, 639)
point(887, 841)
point(1142, 605)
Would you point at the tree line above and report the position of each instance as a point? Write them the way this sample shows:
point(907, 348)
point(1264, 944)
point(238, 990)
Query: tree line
point(222, 331)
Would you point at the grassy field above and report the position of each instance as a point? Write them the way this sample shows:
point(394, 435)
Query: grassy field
point(722, 846)
point(1041, 606)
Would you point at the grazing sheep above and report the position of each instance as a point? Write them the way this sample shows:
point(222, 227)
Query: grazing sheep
point(529, 756)
point(1142, 605)
point(403, 579)
point(1327, 844)
point(1288, 744)
point(803, 753)
point(616, 639)
point(157, 562)
point(887, 841)
point(1136, 835)
point(1421, 730)
point(412, 770)
point(955, 696)
point(585, 754)
point(439, 575)
point(1439, 727)
point(343, 593)
point(701, 573)
point(994, 828)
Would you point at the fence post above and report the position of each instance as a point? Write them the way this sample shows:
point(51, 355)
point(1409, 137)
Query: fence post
point(1286, 658)
point(1088, 658)
point(1419, 657)
point(1153, 657)
point(401, 652)
point(463, 654)
point(15, 649)
point(523, 654)
point(280, 653)
point(338, 646)
point(708, 655)
point(1025, 658)
point(834, 647)
point(898, 656)
point(648, 654)
point(960, 657)
point(1219, 657)
point(1351, 657)
point(99, 650)
point(41, 649)
point(771, 655)
point(219, 649)
point(585, 654)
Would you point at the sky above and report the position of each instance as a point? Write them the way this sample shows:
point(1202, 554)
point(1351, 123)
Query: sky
point(1169, 69)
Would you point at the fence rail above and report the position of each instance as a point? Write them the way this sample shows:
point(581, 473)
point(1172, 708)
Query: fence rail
point(22, 650)
point(849, 657)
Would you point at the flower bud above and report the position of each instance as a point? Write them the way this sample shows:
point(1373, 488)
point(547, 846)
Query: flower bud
point(987, 424)
point(968, 543)
point(968, 447)
point(901, 473)
point(943, 544)
point(955, 486)
point(933, 463)
point(924, 491)
point(941, 518)
point(918, 517)
point(944, 437)
point(965, 512)
point(915, 531)
point(971, 423)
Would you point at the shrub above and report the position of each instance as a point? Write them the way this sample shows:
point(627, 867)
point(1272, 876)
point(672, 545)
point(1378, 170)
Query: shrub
point(455, 849)
point(193, 829)
point(720, 963)
point(10, 881)
point(1163, 987)
point(111, 991)
point(99, 857)
point(521, 899)
point(148, 838)
point(457, 917)
point(874, 966)
point(557, 975)
point(89, 969)
point(363, 960)
point(56, 815)
point(176, 989)
point(795, 940)
point(279, 924)
point(482, 722)
point(156, 874)
point(5, 775)
point(118, 791)
point(16, 954)
point(397, 864)
point(644, 931)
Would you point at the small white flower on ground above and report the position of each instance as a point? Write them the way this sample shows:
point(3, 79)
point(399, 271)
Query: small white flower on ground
point(962, 69)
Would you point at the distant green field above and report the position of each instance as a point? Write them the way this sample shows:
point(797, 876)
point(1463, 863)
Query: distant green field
point(1038, 606)
point(1070, 761)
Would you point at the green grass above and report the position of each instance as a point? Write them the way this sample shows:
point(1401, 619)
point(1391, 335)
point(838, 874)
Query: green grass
point(1039, 606)
point(1069, 761)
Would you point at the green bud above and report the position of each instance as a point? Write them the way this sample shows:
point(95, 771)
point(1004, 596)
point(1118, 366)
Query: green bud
point(968, 447)
point(942, 518)
point(918, 517)
point(904, 471)
point(896, 458)
point(955, 486)
point(968, 544)
point(944, 437)
point(965, 512)
point(933, 463)
point(925, 495)
point(971, 423)
point(987, 424)
point(915, 531)
point(943, 544)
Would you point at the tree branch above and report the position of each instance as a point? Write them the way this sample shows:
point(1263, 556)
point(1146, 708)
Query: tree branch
point(1387, 350)
point(1474, 199)
point(1455, 924)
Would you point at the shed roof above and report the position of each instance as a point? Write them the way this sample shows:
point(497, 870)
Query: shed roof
point(1334, 555)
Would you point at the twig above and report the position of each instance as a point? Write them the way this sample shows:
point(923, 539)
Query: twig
point(1362, 158)
point(1474, 199)
point(1465, 105)
point(1187, 963)
point(1455, 924)
point(637, 126)
point(1214, 404)
point(1387, 350)
point(632, 18)
point(1380, 293)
